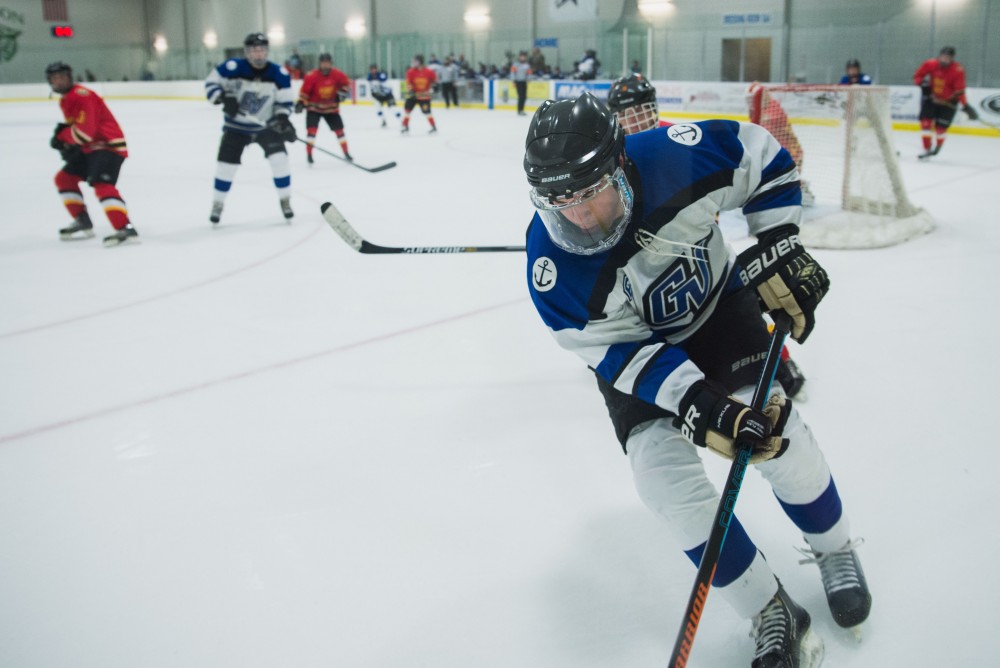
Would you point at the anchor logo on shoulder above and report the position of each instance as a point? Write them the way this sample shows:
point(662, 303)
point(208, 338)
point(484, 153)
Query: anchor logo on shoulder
point(543, 274)
point(685, 133)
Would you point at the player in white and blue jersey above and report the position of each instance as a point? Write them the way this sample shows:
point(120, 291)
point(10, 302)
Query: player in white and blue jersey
point(628, 268)
point(256, 98)
point(378, 83)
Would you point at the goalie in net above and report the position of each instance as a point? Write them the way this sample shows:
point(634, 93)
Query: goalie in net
point(840, 138)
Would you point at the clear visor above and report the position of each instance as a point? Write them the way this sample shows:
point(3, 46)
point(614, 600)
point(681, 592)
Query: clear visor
point(641, 117)
point(590, 220)
point(257, 55)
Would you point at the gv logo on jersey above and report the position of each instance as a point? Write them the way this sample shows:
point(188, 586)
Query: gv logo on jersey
point(252, 102)
point(681, 291)
point(543, 274)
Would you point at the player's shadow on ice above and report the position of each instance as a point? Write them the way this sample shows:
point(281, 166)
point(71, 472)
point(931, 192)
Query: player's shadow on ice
point(619, 595)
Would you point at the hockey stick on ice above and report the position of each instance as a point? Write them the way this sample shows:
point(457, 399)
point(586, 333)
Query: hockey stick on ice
point(727, 504)
point(343, 228)
point(372, 170)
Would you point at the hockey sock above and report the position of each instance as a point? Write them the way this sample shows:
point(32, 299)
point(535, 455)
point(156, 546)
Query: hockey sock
point(343, 141)
point(282, 174)
point(430, 119)
point(69, 190)
point(114, 207)
point(224, 174)
point(940, 136)
point(311, 136)
point(925, 133)
point(406, 120)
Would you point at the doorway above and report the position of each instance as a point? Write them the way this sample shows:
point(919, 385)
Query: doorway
point(746, 59)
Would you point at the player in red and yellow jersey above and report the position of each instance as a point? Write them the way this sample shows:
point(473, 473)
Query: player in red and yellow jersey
point(942, 86)
point(320, 97)
point(420, 86)
point(93, 146)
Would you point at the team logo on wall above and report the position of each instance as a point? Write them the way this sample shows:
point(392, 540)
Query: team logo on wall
point(685, 133)
point(9, 34)
point(573, 10)
point(543, 274)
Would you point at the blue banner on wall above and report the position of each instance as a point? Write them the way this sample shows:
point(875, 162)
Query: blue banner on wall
point(567, 89)
point(547, 42)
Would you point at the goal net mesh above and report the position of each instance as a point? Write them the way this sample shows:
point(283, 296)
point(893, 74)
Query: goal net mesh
point(840, 137)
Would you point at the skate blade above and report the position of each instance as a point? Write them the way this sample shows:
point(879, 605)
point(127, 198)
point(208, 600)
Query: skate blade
point(114, 243)
point(811, 650)
point(77, 236)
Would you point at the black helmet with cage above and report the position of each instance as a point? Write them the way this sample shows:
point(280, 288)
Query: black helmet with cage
point(574, 158)
point(252, 48)
point(55, 68)
point(633, 100)
point(853, 62)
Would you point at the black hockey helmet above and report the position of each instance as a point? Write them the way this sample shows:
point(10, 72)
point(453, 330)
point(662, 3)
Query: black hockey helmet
point(256, 39)
point(571, 144)
point(630, 91)
point(57, 67)
point(948, 51)
point(325, 58)
point(853, 62)
point(573, 158)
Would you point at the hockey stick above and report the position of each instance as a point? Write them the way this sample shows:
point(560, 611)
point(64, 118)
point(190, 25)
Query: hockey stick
point(372, 170)
point(727, 504)
point(343, 228)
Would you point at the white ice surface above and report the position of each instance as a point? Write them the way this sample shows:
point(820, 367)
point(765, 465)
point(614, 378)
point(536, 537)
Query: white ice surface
point(252, 446)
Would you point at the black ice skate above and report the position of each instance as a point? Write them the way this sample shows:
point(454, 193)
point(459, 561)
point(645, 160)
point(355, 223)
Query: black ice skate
point(286, 207)
point(846, 588)
point(309, 158)
point(80, 228)
point(126, 235)
point(784, 639)
point(347, 156)
point(432, 130)
point(403, 130)
point(216, 214)
point(931, 152)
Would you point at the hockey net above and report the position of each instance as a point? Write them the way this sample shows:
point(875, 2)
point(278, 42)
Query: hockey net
point(840, 137)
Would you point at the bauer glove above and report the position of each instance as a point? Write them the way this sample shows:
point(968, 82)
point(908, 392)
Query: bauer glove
point(971, 112)
point(283, 127)
point(721, 423)
point(786, 278)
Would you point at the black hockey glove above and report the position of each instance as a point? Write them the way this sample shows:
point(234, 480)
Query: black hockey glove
point(283, 127)
point(55, 142)
point(786, 278)
point(70, 152)
point(971, 112)
point(925, 90)
point(230, 105)
point(715, 421)
point(299, 107)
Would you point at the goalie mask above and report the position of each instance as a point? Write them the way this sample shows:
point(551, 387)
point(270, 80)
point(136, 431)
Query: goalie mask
point(574, 158)
point(633, 101)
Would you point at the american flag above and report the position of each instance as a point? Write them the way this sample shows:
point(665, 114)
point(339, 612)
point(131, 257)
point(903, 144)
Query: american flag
point(54, 10)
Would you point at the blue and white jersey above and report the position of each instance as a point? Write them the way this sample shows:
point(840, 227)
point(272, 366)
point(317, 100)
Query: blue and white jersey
point(378, 83)
point(863, 80)
point(262, 94)
point(627, 311)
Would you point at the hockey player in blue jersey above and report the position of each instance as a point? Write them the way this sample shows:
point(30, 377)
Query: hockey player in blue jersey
point(628, 269)
point(853, 74)
point(256, 99)
point(378, 83)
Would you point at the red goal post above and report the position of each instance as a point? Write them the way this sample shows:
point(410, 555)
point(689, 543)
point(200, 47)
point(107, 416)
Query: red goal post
point(841, 139)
